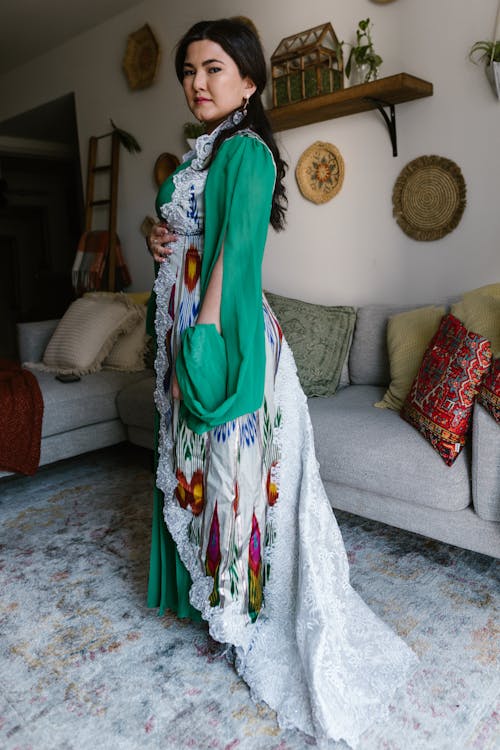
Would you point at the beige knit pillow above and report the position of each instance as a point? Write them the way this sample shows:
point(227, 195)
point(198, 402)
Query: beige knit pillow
point(480, 313)
point(490, 290)
point(129, 350)
point(86, 333)
point(408, 335)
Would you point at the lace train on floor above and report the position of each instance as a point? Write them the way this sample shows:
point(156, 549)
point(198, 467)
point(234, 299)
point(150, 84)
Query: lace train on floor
point(317, 654)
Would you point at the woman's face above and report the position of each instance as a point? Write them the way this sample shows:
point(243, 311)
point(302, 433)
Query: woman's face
point(212, 83)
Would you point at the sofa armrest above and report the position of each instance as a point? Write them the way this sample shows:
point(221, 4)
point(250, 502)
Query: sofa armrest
point(32, 339)
point(485, 464)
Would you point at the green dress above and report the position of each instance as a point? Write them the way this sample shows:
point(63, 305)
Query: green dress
point(222, 377)
point(243, 500)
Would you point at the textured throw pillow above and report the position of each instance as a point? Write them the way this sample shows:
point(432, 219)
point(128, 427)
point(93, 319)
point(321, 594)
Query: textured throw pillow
point(136, 298)
point(139, 298)
point(442, 396)
point(481, 313)
point(86, 333)
point(128, 353)
point(489, 392)
point(408, 335)
point(491, 290)
point(319, 337)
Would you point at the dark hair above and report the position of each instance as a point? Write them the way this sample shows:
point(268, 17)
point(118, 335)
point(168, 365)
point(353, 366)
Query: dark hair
point(242, 44)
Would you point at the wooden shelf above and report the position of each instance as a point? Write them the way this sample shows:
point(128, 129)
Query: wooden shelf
point(385, 91)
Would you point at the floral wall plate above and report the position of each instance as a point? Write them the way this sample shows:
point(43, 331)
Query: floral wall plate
point(320, 172)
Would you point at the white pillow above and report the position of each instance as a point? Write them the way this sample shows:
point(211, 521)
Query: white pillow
point(87, 332)
point(129, 350)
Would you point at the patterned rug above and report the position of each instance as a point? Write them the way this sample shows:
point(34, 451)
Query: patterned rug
point(85, 665)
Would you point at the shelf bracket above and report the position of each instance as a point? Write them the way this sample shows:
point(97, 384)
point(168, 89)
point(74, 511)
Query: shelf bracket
point(390, 120)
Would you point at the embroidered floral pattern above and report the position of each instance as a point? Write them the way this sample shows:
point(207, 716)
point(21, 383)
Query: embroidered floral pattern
point(190, 494)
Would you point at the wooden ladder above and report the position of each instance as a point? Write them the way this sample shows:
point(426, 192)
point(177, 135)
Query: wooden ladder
point(111, 201)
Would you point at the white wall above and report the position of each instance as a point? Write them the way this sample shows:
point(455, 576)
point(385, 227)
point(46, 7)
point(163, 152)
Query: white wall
point(349, 250)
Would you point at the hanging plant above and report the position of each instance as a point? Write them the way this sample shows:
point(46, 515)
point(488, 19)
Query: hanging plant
point(362, 54)
point(488, 54)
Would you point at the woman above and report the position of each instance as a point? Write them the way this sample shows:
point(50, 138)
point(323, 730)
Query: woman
point(249, 538)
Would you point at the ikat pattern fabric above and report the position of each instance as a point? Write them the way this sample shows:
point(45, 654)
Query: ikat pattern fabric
point(442, 396)
point(269, 573)
point(226, 477)
point(489, 392)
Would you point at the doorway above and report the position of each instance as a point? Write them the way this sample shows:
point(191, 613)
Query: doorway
point(41, 216)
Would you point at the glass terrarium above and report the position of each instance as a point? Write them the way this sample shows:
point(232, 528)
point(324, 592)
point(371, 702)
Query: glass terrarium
point(307, 64)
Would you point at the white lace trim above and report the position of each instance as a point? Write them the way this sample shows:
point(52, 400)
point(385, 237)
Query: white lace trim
point(317, 654)
point(191, 180)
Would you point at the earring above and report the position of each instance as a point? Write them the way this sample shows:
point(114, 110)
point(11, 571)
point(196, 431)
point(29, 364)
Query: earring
point(244, 109)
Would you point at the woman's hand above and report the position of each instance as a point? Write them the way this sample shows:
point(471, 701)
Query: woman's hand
point(176, 391)
point(158, 241)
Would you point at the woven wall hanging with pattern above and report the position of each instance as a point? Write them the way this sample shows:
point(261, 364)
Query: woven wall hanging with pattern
point(429, 197)
point(320, 172)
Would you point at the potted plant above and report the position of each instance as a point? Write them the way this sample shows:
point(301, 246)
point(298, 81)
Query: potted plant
point(191, 132)
point(489, 54)
point(362, 62)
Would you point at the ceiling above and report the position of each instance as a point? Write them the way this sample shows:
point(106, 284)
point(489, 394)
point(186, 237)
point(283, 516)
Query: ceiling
point(29, 28)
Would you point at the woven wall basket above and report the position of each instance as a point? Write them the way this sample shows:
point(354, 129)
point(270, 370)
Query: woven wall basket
point(320, 172)
point(429, 197)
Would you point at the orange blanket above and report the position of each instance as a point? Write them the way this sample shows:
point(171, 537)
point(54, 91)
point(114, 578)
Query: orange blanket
point(21, 412)
point(89, 273)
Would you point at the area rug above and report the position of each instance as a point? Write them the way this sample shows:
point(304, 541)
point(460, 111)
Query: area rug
point(84, 665)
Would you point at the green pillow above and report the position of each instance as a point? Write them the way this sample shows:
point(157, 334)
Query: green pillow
point(319, 337)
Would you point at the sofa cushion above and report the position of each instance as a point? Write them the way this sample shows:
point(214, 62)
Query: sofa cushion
point(319, 337)
point(489, 391)
point(68, 406)
point(86, 333)
point(408, 335)
point(33, 337)
point(376, 451)
point(368, 356)
point(486, 465)
point(442, 396)
point(129, 351)
point(481, 313)
point(135, 403)
point(491, 290)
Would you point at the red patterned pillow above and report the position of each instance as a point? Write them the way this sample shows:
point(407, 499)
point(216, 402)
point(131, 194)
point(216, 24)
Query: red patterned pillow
point(442, 396)
point(489, 393)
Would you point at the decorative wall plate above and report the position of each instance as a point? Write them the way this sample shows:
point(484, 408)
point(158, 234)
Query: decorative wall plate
point(164, 166)
point(142, 57)
point(320, 172)
point(429, 197)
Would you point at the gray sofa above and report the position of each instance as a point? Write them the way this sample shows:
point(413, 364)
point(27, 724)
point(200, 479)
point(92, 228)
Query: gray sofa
point(80, 416)
point(372, 463)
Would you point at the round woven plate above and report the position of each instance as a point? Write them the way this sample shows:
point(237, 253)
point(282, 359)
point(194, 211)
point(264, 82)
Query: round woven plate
point(142, 58)
point(164, 166)
point(429, 197)
point(320, 172)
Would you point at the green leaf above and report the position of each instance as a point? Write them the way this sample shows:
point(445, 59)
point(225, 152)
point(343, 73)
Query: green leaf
point(127, 140)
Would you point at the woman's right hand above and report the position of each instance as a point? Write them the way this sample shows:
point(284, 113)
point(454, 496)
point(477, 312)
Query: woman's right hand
point(158, 241)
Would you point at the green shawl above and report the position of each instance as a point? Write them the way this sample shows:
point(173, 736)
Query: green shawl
point(221, 376)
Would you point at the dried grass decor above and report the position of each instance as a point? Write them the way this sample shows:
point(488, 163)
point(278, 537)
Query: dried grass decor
point(429, 197)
